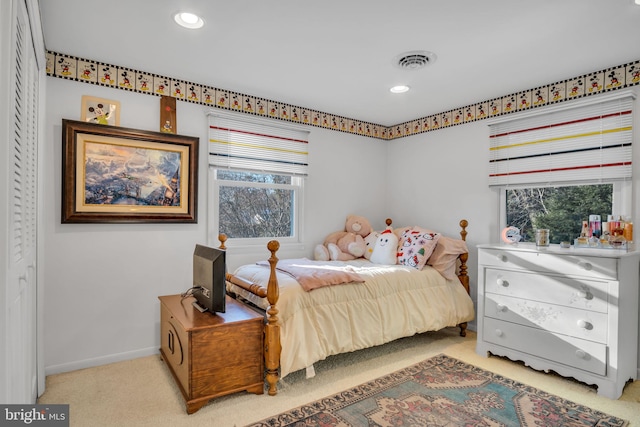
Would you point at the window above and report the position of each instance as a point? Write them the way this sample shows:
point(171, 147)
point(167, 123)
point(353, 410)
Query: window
point(253, 205)
point(556, 166)
point(559, 209)
point(256, 172)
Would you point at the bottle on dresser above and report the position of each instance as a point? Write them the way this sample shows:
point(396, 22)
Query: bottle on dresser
point(584, 234)
point(616, 229)
point(628, 229)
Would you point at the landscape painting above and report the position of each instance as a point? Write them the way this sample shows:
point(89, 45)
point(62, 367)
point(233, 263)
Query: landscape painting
point(131, 175)
point(114, 174)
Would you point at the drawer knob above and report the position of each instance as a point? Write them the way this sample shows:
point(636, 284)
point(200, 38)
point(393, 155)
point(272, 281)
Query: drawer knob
point(584, 324)
point(502, 257)
point(581, 354)
point(499, 332)
point(583, 293)
point(501, 307)
point(502, 282)
point(585, 265)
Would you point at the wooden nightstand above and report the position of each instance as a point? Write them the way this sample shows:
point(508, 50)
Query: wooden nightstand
point(211, 355)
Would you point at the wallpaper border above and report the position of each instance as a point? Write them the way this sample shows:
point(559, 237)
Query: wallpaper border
point(119, 77)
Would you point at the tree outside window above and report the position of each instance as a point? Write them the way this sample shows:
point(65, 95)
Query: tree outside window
point(560, 209)
point(256, 205)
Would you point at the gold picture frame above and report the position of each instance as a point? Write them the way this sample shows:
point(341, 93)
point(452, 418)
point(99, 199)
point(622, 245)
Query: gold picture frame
point(100, 111)
point(112, 174)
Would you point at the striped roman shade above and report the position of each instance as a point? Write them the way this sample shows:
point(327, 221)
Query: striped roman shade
point(254, 144)
point(588, 142)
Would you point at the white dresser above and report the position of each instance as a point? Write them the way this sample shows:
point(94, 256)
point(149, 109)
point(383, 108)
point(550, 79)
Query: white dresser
point(573, 311)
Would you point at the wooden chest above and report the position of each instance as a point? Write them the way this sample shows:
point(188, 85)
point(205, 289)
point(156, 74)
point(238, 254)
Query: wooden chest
point(211, 355)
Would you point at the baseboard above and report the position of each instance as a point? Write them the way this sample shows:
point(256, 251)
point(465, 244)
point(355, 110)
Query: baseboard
point(99, 361)
point(120, 357)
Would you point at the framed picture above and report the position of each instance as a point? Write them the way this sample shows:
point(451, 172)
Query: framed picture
point(100, 111)
point(112, 174)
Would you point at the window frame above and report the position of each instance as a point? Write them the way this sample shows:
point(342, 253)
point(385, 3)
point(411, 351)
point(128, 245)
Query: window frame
point(297, 186)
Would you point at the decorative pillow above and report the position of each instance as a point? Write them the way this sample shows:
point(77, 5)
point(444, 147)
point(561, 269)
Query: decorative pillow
point(445, 255)
point(370, 243)
point(416, 247)
point(399, 231)
point(423, 230)
point(385, 250)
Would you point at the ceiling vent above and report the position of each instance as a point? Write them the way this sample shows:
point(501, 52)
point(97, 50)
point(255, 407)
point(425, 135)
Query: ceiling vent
point(414, 60)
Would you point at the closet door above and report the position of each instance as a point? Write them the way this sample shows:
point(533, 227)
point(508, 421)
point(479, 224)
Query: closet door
point(18, 197)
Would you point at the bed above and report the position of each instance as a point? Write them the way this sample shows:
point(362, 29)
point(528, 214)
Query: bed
point(389, 302)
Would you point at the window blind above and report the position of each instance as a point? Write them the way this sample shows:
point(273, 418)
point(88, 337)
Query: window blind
point(588, 142)
point(257, 146)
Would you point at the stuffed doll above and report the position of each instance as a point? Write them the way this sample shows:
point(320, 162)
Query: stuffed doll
point(347, 244)
point(386, 249)
point(370, 243)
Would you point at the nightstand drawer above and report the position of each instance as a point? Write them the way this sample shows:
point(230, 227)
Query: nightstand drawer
point(578, 323)
point(570, 292)
point(548, 262)
point(574, 352)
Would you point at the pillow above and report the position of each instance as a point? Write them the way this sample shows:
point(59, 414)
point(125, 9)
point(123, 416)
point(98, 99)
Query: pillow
point(415, 247)
point(445, 255)
point(399, 231)
point(385, 250)
point(423, 230)
point(370, 243)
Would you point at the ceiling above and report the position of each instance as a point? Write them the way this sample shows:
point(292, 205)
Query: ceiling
point(337, 56)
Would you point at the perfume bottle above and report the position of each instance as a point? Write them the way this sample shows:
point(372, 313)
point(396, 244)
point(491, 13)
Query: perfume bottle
point(604, 238)
point(584, 234)
point(594, 226)
point(617, 239)
point(628, 230)
point(614, 223)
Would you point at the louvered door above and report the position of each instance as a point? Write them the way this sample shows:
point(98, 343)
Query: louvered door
point(20, 180)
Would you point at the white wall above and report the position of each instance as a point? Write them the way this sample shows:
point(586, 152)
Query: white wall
point(438, 178)
point(101, 281)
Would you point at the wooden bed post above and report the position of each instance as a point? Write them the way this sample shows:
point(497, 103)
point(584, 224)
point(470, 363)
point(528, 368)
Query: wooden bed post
point(272, 347)
point(462, 271)
point(222, 238)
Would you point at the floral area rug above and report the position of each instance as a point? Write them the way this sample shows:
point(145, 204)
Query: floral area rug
point(442, 391)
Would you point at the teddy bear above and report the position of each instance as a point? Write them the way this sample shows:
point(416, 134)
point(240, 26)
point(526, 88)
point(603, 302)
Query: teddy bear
point(385, 250)
point(347, 244)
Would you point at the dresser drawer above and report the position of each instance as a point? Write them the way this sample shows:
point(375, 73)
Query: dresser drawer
point(570, 292)
point(578, 323)
point(574, 352)
point(548, 262)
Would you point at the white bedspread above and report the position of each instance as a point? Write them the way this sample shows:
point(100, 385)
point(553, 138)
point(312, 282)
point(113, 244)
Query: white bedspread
point(393, 302)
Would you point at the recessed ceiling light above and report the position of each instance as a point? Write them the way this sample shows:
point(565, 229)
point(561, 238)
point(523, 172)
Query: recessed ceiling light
point(399, 89)
point(188, 20)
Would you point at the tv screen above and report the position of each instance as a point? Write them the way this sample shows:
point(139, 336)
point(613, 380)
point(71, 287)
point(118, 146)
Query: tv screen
point(209, 278)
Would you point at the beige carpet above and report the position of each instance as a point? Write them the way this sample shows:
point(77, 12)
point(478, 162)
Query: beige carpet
point(142, 392)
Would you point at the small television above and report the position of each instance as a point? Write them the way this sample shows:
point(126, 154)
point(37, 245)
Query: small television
point(209, 279)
